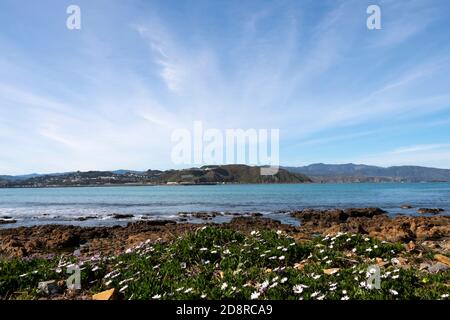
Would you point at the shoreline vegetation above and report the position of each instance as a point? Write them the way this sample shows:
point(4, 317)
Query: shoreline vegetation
point(331, 255)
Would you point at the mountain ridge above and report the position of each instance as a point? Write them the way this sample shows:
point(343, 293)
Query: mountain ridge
point(350, 172)
point(195, 176)
point(316, 172)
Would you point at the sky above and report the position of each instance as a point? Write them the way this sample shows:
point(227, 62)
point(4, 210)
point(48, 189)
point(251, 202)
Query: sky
point(109, 96)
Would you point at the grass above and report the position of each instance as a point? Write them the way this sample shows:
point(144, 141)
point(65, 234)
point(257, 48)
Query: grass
point(218, 263)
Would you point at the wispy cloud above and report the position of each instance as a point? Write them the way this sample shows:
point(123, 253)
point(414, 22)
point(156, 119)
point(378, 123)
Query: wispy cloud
point(432, 155)
point(110, 95)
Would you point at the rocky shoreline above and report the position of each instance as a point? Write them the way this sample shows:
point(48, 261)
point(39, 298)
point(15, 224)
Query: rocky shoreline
point(249, 257)
point(432, 232)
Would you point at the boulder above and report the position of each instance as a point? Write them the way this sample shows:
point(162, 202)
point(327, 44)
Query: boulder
point(122, 216)
point(7, 221)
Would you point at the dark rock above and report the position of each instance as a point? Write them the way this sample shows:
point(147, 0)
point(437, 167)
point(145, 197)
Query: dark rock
point(256, 214)
point(85, 218)
point(430, 210)
point(122, 216)
point(326, 218)
point(49, 288)
point(7, 221)
point(364, 212)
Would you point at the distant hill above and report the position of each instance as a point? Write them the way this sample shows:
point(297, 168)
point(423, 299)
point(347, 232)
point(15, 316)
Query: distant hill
point(350, 172)
point(231, 174)
point(203, 175)
point(22, 177)
point(319, 172)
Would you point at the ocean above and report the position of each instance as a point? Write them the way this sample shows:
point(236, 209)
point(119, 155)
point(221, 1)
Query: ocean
point(97, 205)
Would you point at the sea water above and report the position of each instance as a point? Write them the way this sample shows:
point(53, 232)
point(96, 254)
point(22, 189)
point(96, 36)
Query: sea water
point(33, 206)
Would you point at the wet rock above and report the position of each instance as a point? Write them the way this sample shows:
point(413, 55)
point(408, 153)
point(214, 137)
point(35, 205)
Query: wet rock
point(49, 288)
point(248, 224)
point(327, 217)
point(430, 210)
point(406, 206)
point(364, 212)
point(7, 221)
point(85, 218)
point(122, 216)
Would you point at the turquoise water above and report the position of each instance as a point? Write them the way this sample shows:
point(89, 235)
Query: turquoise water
point(63, 205)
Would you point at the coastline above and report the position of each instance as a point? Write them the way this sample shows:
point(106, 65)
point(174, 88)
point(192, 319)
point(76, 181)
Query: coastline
point(417, 246)
point(374, 222)
point(218, 183)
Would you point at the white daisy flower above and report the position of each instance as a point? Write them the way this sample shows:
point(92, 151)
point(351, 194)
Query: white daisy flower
point(123, 289)
point(255, 295)
point(273, 285)
point(393, 292)
point(298, 288)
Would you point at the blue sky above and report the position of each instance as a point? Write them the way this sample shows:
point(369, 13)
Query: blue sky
point(109, 95)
